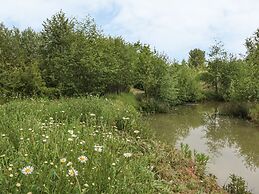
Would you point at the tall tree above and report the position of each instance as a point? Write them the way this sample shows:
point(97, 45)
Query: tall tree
point(217, 60)
point(196, 58)
point(57, 42)
point(252, 45)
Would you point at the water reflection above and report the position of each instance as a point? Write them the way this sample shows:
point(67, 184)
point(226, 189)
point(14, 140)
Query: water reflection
point(232, 144)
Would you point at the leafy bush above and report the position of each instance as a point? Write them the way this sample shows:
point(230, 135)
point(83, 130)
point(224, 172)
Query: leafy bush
point(236, 109)
point(237, 185)
point(254, 113)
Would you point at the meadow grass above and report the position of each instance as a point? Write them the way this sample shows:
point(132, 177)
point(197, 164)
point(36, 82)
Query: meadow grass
point(88, 145)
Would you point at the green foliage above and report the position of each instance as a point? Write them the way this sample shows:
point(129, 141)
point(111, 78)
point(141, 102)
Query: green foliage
point(74, 58)
point(51, 135)
point(196, 58)
point(182, 85)
point(237, 185)
point(125, 98)
point(254, 113)
point(236, 109)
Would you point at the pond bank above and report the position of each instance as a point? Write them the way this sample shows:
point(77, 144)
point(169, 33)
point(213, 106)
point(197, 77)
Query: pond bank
point(232, 144)
point(120, 156)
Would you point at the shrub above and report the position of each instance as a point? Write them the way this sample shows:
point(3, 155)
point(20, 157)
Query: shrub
point(254, 113)
point(237, 185)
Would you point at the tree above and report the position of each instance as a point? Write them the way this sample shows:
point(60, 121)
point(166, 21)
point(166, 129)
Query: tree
point(218, 58)
point(252, 45)
point(196, 58)
point(57, 42)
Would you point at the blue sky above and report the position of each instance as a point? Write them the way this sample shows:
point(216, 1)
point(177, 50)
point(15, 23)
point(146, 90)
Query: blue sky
point(171, 26)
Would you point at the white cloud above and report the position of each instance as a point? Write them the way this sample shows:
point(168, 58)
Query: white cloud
point(173, 26)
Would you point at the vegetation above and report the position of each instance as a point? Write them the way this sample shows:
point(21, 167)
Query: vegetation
point(74, 58)
point(237, 185)
point(90, 145)
point(98, 144)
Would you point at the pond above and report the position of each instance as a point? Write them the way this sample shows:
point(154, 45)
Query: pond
point(232, 144)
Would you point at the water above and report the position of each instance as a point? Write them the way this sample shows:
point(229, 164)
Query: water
point(232, 144)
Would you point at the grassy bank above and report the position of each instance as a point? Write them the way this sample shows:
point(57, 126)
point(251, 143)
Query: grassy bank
point(90, 145)
point(248, 111)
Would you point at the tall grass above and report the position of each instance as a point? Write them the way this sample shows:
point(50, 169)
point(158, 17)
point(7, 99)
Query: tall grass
point(84, 145)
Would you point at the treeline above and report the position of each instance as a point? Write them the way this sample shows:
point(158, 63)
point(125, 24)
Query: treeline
point(72, 58)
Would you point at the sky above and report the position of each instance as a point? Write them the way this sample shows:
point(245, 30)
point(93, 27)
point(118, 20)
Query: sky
point(173, 27)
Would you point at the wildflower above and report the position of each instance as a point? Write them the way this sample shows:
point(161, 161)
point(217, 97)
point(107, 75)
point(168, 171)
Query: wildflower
point(25, 155)
point(82, 142)
point(70, 132)
point(72, 172)
point(127, 155)
point(44, 140)
point(10, 164)
point(63, 160)
point(69, 163)
point(10, 169)
point(86, 185)
point(82, 159)
point(3, 135)
point(29, 193)
point(113, 164)
point(98, 148)
point(18, 184)
point(109, 178)
point(21, 129)
point(11, 175)
point(92, 115)
point(27, 170)
point(73, 135)
point(70, 139)
point(46, 162)
point(136, 131)
point(52, 163)
point(30, 129)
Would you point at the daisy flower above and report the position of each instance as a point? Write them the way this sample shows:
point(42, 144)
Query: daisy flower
point(27, 170)
point(98, 148)
point(127, 155)
point(72, 172)
point(63, 160)
point(82, 159)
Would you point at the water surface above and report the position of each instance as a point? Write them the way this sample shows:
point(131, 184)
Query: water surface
point(232, 144)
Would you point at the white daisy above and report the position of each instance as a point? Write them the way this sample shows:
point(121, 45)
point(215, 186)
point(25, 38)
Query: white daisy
point(63, 160)
point(127, 155)
point(72, 172)
point(27, 170)
point(98, 148)
point(82, 159)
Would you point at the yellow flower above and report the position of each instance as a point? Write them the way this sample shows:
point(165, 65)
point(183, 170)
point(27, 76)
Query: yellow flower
point(18, 184)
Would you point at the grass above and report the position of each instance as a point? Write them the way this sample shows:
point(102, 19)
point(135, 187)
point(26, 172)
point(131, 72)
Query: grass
point(89, 145)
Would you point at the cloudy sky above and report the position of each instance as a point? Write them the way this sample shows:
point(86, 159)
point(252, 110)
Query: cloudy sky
point(171, 26)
